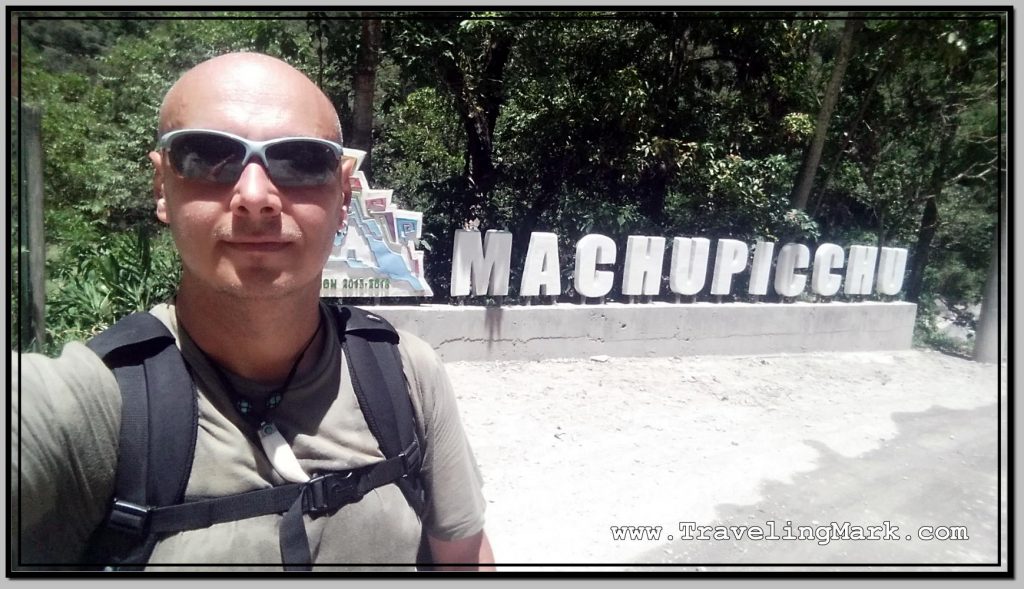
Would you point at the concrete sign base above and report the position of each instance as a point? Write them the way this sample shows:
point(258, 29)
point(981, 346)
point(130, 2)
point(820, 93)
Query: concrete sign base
point(655, 329)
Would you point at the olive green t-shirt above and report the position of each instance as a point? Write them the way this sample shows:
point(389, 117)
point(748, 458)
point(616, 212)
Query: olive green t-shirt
point(65, 423)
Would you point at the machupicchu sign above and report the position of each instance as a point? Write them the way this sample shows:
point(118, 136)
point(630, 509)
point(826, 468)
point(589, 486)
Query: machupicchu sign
point(375, 255)
point(480, 266)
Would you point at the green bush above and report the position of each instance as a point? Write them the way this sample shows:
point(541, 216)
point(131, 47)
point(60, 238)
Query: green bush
point(97, 282)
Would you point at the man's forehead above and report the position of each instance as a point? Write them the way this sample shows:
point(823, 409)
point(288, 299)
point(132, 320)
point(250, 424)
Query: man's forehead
point(253, 110)
point(250, 97)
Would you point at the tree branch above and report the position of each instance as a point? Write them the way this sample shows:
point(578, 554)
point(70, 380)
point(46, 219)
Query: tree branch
point(965, 175)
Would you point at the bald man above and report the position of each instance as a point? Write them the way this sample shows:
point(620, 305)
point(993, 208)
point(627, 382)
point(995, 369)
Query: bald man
point(248, 174)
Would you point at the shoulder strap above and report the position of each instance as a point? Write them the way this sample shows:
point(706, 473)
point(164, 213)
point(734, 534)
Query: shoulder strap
point(370, 344)
point(379, 383)
point(158, 404)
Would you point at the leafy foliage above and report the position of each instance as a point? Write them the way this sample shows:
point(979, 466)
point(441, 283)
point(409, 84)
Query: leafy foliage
point(106, 280)
point(661, 123)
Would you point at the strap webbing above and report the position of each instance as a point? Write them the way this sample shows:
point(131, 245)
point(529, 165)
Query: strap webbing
point(134, 436)
point(379, 409)
point(293, 540)
point(158, 433)
point(369, 344)
point(203, 513)
point(173, 415)
point(207, 512)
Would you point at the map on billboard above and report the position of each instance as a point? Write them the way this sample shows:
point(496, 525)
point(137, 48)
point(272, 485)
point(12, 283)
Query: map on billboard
point(375, 254)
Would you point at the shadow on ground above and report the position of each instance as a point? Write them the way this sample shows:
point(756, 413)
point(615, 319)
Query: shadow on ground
point(941, 469)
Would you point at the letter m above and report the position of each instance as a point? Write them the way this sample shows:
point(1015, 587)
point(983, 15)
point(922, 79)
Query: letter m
point(482, 268)
point(840, 531)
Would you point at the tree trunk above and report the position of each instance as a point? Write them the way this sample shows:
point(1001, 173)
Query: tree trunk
point(851, 130)
point(493, 83)
point(33, 263)
point(478, 108)
point(925, 234)
point(652, 189)
point(813, 156)
point(988, 344)
point(930, 217)
point(364, 82)
point(474, 122)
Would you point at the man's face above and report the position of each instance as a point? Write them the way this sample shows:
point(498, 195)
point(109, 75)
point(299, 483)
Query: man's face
point(251, 238)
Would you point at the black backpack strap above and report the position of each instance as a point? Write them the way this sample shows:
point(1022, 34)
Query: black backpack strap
point(159, 418)
point(159, 405)
point(371, 346)
point(320, 495)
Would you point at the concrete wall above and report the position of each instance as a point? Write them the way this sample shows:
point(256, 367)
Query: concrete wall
point(655, 329)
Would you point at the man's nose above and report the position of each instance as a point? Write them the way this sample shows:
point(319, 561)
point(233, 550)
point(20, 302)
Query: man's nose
point(255, 194)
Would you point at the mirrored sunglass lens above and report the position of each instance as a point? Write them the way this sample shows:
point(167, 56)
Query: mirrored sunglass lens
point(205, 156)
point(301, 163)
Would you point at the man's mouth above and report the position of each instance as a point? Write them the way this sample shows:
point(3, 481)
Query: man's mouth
point(258, 245)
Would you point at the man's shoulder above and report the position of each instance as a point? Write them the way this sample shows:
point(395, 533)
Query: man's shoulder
point(165, 313)
point(414, 344)
point(418, 355)
point(71, 393)
point(78, 369)
point(76, 365)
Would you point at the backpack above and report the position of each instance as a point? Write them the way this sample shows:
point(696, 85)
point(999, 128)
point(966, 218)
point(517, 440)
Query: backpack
point(159, 422)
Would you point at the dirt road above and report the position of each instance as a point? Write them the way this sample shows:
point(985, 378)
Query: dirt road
point(569, 449)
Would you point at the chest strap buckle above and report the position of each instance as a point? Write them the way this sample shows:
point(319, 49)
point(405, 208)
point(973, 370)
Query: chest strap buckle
point(129, 518)
point(329, 492)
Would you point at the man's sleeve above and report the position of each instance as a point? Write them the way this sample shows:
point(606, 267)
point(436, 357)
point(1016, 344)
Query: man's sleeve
point(65, 417)
point(455, 507)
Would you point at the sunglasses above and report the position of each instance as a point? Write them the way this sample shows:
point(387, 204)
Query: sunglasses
point(219, 157)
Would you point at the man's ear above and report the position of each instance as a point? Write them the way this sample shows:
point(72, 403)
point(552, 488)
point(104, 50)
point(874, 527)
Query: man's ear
point(158, 185)
point(346, 188)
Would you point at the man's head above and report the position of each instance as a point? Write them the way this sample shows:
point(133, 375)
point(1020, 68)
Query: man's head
point(272, 90)
point(240, 227)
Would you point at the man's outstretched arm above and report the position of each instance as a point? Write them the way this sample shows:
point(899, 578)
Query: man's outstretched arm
point(472, 549)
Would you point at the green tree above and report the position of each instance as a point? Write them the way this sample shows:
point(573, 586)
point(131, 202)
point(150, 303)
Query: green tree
point(668, 123)
point(107, 253)
point(813, 157)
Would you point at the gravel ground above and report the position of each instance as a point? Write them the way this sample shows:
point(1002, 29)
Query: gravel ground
point(570, 448)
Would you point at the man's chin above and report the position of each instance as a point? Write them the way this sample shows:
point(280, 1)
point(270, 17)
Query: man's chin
point(262, 287)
